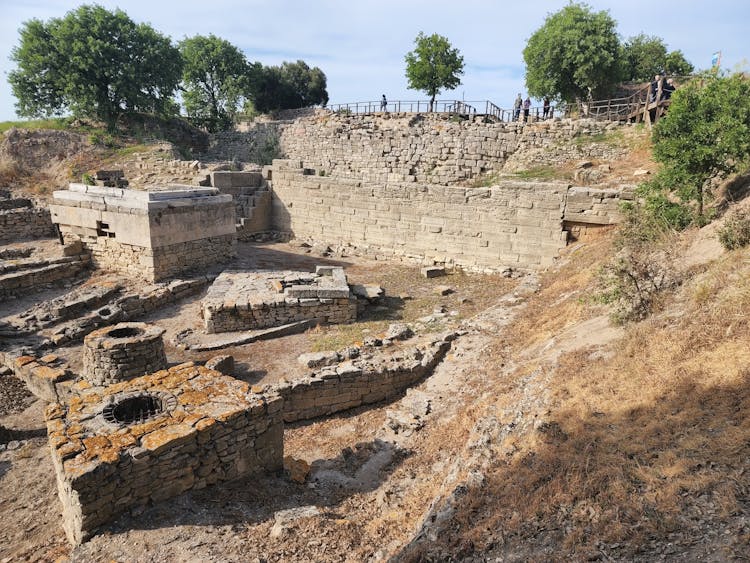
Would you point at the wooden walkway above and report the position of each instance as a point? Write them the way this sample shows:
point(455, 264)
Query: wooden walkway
point(640, 107)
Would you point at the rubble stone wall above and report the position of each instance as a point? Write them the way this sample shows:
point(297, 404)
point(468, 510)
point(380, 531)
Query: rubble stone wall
point(355, 383)
point(25, 223)
point(423, 148)
point(23, 281)
point(121, 352)
point(216, 430)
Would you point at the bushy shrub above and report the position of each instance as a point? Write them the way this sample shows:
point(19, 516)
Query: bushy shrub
point(736, 230)
point(633, 281)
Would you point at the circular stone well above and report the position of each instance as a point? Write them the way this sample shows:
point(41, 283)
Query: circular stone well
point(138, 407)
point(123, 351)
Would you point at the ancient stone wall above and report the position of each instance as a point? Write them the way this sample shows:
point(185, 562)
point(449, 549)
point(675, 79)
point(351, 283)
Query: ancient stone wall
point(154, 437)
point(240, 300)
point(151, 235)
point(25, 223)
point(422, 148)
point(23, 281)
point(361, 381)
point(122, 352)
point(515, 224)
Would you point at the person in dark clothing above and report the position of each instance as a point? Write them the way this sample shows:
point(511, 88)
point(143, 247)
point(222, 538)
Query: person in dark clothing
point(669, 87)
point(545, 107)
point(526, 108)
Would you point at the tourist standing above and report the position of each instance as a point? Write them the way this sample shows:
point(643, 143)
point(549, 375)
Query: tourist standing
point(384, 104)
point(517, 107)
point(545, 108)
point(526, 108)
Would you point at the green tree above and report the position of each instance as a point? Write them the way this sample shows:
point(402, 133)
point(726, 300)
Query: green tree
point(574, 53)
point(433, 65)
point(289, 86)
point(677, 65)
point(214, 79)
point(705, 136)
point(646, 56)
point(93, 63)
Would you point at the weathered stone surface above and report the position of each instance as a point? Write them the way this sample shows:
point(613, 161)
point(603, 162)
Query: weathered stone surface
point(123, 351)
point(240, 300)
point(211, 428)
point(148, 235)
point(223, 364)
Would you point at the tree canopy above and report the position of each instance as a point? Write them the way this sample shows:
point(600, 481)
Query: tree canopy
point(434, 65)
point(705, 135)
point(645, 56)
point(93, 63)
point(576, 51)
point(289, 86)
point(214, 79)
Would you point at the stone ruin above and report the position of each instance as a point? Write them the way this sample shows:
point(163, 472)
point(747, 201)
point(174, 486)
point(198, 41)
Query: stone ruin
point(122, 445)
point(149, 235)
point(121, 352)
point(240, 300)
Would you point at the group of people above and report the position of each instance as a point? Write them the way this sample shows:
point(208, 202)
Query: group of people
point(526, 105)
point(662, 88)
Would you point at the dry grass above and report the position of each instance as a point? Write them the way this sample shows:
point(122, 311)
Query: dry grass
point(409, 297)
point(649, 442)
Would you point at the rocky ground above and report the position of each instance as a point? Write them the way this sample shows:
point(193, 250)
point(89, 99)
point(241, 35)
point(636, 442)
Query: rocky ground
point(546, 434)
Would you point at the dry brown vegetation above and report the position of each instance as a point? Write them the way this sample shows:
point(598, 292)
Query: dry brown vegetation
point(645, 442)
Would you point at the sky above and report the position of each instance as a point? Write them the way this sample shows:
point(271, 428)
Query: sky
point(360, 44)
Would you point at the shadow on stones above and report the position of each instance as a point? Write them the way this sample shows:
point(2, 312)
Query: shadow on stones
point(244, 372)
point(257, 256)
point(390, 308)
point(254, 499)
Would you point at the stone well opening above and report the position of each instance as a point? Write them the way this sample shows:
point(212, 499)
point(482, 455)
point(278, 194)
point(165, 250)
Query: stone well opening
point(135, 409)
point(125, 332)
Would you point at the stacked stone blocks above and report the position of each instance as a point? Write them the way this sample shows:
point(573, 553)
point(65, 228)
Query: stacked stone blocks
point(149, 235)
point(239, 300)
point(211, 428)
point(121, 352)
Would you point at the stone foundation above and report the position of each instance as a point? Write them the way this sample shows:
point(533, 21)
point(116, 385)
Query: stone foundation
point(149, 235)
point(362, 381)
point(121, 352)
point(254, 300)
point(35, 276)
point(155, 437)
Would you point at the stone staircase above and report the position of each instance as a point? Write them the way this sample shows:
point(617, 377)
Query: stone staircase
point(252, 200)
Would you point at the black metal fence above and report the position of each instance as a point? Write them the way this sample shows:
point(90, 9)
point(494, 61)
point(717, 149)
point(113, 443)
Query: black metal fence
point(483, 108)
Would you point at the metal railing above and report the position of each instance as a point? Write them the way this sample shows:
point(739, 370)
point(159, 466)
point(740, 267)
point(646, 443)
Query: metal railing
point(483, 108)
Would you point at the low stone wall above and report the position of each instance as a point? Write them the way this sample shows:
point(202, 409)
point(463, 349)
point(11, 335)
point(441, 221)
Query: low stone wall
point(247, 300)
point(25, 223)
point(203, 428)
point(361, 381)
point(121, 352)
point(130, 305)
point(21, 282)
point(48, 377)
